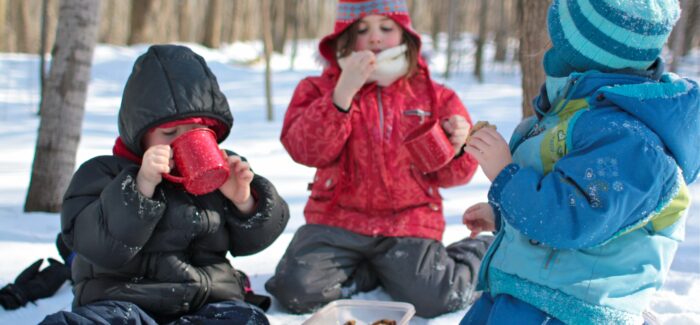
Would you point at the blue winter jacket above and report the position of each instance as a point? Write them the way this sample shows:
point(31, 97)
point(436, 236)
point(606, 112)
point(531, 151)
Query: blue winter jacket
point(592, 209)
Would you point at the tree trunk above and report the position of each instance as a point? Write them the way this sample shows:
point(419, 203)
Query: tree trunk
point(534, 41)
point(452, 31)
point(3, 21)
point(64, 105)
point(267, 44)
point(501, 37)
point(26, 36)
point(437, 16)
point(295, 32)
point(280, 19)
point(678, 37)
point(184, 28)
point(142, 21)
point(212, 31)
point(691, 24)
point(42, 49)
point(481, 40)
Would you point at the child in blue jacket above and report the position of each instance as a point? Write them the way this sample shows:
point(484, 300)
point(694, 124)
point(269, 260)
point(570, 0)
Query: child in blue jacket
point(588, 199)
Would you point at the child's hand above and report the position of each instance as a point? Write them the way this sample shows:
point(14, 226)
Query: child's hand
point(357, 69)
point(156, 161)
point(457, 128)
point(478, 218)
point(490, 150)
point(237, 187)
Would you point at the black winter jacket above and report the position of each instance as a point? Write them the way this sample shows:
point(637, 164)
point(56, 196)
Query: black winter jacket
point(166, 254)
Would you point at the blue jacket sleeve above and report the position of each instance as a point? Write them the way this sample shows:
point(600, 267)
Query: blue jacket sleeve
point(615, 174)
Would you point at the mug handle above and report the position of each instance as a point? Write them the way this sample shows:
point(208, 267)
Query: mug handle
point(174, 179)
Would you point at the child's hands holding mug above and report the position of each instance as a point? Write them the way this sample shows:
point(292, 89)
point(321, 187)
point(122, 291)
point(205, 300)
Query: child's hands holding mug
point(478, 218)
point(156, 161)
point(237, 187)
point(457, 128)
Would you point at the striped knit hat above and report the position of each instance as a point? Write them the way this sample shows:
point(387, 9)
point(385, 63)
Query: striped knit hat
point(350, 11)
point(607, 35)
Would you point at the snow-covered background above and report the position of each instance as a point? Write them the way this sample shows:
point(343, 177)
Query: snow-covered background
point(26, 237)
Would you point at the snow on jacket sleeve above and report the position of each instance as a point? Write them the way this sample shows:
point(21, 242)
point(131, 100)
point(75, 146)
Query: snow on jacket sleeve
point(104, 218)
point(314, 131)
point(252, 233)
point(461, 169)
point(616, 175)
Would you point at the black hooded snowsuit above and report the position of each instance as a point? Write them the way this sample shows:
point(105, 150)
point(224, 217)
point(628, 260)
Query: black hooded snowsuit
point(166, 254)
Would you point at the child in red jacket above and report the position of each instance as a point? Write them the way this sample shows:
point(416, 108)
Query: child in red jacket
point(372, 217)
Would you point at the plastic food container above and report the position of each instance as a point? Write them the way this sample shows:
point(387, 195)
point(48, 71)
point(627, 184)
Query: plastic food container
point(363, 312)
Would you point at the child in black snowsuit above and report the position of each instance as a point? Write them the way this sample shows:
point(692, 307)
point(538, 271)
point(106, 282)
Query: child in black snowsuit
point(147, 250)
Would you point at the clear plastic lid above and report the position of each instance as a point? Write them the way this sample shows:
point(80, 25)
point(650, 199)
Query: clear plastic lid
point(363, 312)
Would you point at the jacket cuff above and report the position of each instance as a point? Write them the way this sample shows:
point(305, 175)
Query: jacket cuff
point(342, 110)
point(497, 187)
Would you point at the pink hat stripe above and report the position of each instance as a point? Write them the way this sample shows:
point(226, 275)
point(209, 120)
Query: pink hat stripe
point(352, 10)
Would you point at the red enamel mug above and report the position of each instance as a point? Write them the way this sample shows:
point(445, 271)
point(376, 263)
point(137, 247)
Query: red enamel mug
point(429, 147)
point(201, 165)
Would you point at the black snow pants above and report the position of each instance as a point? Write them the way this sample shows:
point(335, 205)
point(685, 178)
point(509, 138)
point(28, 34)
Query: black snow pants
point(325, 263)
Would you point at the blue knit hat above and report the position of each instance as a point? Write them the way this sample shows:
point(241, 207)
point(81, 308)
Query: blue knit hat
point(607, 35)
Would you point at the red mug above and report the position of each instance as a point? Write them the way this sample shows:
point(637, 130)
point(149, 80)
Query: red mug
point(202, 166)
point(429, 147)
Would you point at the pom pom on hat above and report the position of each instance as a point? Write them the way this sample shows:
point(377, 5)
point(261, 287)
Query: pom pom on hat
point(607, 35)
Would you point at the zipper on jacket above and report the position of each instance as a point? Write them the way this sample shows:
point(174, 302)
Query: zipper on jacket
point(381, 111)
point(549, 258)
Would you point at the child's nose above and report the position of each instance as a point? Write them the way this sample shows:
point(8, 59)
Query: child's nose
point(374, 38)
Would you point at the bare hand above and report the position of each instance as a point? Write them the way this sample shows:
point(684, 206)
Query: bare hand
point(237, 187)
point(156, 161)
point(478, 218)
point(356, 70)
point(491, 151)
point(457, 128)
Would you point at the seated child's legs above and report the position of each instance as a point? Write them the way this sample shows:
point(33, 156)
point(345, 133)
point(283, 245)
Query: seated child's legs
point(479, 312)
point(505, 309)
point(320, 265)
point(423, 272)
point(102, 312)
point(232, 312)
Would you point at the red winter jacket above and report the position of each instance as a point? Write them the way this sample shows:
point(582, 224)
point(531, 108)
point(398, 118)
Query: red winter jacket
point(365, 181)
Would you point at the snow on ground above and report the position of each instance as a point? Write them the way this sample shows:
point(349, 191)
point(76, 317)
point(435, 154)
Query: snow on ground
point(26, 237)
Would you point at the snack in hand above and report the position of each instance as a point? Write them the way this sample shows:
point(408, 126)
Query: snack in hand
point(478, 126)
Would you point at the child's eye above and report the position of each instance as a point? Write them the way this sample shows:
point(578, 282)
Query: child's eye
point(387, 29)
point(362, 31)
point(169, 132)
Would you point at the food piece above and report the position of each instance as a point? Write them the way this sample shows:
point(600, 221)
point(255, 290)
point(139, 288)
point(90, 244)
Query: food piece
point(350, 322)
point(478, 126)
point(385, 322)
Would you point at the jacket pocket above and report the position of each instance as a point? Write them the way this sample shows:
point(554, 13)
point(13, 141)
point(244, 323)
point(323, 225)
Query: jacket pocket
point(324, 183)
point(425, 183)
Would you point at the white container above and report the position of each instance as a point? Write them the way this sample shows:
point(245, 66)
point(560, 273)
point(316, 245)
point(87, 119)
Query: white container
point(363, 312)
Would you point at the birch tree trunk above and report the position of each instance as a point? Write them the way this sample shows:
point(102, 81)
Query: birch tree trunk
point(63, 107)
point(534, 41)
point(267, 45)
